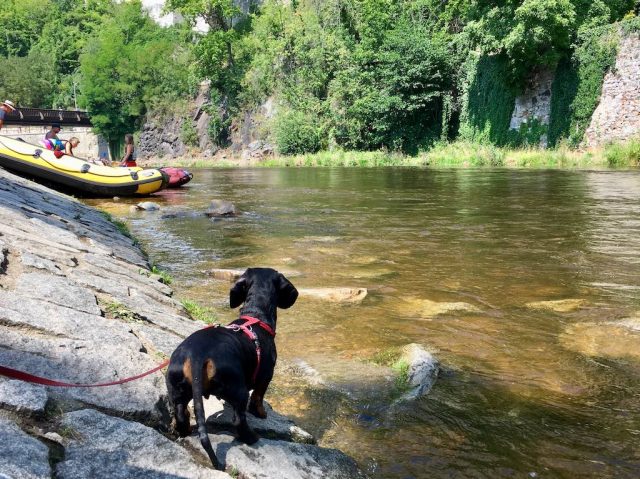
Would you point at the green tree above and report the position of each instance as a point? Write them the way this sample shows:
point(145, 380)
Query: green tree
point(28, 80)
point(21, 24)
point(130, 65)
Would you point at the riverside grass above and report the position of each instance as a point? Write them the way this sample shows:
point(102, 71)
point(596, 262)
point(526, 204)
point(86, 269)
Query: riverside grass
point(460, 154)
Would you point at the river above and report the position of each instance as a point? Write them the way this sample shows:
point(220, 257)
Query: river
point(540, 377)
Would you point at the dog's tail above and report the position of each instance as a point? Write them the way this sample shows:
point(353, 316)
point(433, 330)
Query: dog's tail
point(198, 407)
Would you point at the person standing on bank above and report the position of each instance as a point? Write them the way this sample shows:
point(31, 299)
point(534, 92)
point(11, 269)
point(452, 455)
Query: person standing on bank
point(129, 159)
point(6, 107)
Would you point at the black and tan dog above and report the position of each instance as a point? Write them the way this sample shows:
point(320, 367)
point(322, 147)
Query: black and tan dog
point(230, 361)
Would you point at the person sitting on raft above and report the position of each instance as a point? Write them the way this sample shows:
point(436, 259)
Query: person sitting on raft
point(71, 144)
point(52, 142)
point(128, 160)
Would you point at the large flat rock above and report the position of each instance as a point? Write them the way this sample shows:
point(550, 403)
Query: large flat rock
point(105, 447)
point(22, 456)
point(22, 397)
point(270, 459)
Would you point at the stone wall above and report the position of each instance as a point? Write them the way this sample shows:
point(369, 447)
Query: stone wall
point(617, 117)
point(91, 145)
point(534, 103)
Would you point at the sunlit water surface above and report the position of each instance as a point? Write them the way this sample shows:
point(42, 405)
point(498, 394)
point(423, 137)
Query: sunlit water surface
point(524, 392)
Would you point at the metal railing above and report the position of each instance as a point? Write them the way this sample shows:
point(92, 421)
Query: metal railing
point(39, 116)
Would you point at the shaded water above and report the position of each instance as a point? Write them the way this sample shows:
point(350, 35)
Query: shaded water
point(524, 391)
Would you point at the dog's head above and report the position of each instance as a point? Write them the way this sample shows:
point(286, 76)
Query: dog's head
point(265, 286)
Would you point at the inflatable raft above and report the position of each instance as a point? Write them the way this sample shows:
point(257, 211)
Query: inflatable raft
point(77, 174)
point(177, 176)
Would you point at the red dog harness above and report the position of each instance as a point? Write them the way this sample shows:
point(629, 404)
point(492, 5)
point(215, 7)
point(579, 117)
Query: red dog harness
point(249, 333)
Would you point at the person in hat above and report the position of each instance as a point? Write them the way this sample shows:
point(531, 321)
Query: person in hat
point(6, 107)
point(52, 142)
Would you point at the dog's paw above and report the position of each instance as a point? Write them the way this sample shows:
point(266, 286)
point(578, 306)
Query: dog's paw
point(249, 437)
point(257, 410)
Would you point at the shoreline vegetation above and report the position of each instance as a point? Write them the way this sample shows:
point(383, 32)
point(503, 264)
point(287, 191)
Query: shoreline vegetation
point(460, 154)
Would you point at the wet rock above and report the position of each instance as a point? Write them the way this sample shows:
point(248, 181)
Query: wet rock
point(427, 309)
point(221, 208)
point(335, 295)
point(107, 447)
point(558, 306)
point(231, 275)
point(275, 426)
point(22, 456)
point(182, 214)
point(269, 459)
point(225, 274)
point(422, 370)
point(22, 397)
point(147, 206)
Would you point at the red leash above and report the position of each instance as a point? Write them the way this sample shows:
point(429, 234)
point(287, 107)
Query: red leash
point(22, 376)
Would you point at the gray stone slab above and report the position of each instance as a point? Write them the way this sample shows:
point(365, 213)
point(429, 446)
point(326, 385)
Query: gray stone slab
point(61, 291)
point(275, 426)
point(269, 459)
point(22, 397)
point(31, 260)
point(88, 362)
point(112, 448)
point(21, 456)
point(46, 318)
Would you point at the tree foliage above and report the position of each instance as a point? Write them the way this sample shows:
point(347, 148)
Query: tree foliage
point(365, 74)
point(127, 66)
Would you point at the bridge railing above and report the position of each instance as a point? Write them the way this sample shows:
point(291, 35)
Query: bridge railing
point(39, 116)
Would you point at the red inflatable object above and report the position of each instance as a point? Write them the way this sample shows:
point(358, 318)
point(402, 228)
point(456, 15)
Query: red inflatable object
point(177, 176)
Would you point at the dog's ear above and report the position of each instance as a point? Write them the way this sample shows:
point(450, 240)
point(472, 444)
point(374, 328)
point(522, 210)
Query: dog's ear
point(287, 293)
point(238, 293)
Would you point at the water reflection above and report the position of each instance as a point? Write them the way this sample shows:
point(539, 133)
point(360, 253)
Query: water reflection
point(525, 389)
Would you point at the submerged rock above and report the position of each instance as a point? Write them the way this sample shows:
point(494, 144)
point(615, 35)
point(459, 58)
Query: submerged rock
point(427, 309)
point(558, 306)
point(221, 208)
point(225, 274)
point(335, 295)
point(612, 339)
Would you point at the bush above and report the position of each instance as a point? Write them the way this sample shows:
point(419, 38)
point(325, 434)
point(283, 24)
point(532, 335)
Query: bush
point(621, 155)
point(188, 133)
point(296, 133)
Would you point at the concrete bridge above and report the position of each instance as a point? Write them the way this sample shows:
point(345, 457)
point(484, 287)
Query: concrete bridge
point(31, 124)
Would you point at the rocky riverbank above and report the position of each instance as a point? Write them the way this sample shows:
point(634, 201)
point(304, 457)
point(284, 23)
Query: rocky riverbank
point(79, 304)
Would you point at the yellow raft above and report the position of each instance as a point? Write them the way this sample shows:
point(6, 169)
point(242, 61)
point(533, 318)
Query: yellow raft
point(76, 173)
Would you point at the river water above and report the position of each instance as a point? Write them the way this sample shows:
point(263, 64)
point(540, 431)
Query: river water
point(540, 370)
